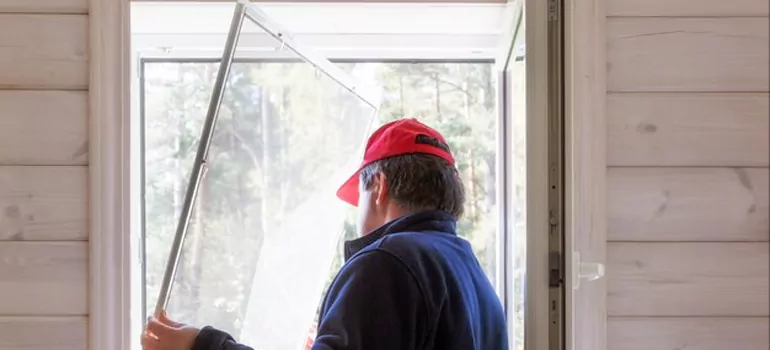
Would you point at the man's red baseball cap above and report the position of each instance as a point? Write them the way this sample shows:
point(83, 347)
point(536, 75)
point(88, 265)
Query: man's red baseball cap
point(400, 137)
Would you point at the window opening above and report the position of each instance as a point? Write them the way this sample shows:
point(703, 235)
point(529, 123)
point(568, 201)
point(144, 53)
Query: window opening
point(457, 96)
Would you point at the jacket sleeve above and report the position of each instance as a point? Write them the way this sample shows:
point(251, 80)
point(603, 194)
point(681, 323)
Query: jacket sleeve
point(211, 338)
point(374, 303)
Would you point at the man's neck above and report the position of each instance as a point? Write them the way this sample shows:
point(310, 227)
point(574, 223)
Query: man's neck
point(396, 211)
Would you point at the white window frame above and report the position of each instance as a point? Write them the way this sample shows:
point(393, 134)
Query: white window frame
point(432, 38)
point(112, 219)
point(110, 270)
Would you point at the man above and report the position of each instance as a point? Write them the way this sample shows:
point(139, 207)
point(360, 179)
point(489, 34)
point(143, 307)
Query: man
point(409, 282)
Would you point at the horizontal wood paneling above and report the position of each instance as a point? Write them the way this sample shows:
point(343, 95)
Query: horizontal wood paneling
point(687, 54)
point(647, 129)
point(43, 127)
point(44, 6)
point(43, 51)
point(43, 278)
point(43, 333)
point(43, 203)
point(687, 150)
point(664, 333)
point(684, 8)
point(688, 204)
point(687, 279)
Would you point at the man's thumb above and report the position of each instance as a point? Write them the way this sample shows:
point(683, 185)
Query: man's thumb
point(163, 318)
point(159, 328)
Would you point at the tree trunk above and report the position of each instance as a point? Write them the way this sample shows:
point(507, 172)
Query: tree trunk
point(489, 89)
point(401, 94)
point(197, 240)
point(180, 282)
point(490, 160)
point(471, 156)
point(266, 112)
point(490, 181)
point(437, 84)
point(263, 167)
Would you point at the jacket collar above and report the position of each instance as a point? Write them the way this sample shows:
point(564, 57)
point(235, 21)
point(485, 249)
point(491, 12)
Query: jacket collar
point(437, 221)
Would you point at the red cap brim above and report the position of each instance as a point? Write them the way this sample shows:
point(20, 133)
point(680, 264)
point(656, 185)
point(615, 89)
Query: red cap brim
point(348, 192)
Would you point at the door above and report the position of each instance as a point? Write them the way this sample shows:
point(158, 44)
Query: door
point(266, 183)
point(531, 106)
point(532, 84)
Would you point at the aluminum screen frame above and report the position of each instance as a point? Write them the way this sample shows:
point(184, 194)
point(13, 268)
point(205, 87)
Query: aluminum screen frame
point(244, 9)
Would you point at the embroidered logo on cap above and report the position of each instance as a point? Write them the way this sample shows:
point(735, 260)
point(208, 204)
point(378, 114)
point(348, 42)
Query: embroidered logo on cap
point(423, 139)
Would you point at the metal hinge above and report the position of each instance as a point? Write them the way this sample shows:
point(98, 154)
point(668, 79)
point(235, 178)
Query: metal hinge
point(553, 10)
point(555, 270)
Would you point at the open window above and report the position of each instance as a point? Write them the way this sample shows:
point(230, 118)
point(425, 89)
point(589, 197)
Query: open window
point(306, 85)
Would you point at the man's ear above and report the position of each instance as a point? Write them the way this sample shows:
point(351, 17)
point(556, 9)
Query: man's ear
point(380, 188)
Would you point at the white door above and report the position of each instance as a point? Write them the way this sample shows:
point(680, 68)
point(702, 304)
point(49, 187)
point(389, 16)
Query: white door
point(532, 104)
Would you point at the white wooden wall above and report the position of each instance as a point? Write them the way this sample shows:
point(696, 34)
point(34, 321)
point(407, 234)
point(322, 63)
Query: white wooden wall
point(687, 154)
point(43, 169)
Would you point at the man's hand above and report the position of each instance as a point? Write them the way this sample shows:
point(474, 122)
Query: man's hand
point(164, 334)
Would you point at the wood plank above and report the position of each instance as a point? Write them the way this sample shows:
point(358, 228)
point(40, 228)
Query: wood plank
point(43, 51)
point(43, 127)
point(646, 129)
point(43, 203)
point(662, 333)
point(688, 279)
point(44, 6)
point(685, 8)
point(43, 333)
point(44, 278)
point(688, 204)
point(687, 54)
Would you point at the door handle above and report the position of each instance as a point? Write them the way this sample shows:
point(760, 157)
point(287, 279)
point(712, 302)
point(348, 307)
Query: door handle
point(588, 271)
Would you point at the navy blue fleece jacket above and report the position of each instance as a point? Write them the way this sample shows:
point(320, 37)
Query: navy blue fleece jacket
point(411, 284)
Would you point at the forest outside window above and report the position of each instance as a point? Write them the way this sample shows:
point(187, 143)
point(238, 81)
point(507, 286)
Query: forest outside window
point(267, 175)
